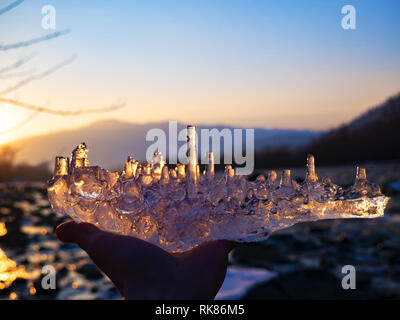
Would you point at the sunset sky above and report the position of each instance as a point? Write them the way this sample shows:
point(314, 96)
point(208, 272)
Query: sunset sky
point(272, 64)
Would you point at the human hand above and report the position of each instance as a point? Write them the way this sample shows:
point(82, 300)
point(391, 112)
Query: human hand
point(141, 270)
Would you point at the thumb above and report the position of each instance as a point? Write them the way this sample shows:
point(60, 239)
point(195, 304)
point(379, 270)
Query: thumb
point(218, 248)
point(90, 239)
point(82, 234)
point(111, 252)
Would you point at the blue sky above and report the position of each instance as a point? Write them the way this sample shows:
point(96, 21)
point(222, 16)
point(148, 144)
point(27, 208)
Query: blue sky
point(249, 63)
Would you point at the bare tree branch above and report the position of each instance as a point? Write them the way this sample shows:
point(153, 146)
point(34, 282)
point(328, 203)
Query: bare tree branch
point(21, 124)
point(11, 6)
point(60, 112)
point(16, 64)
point(34, 41)
point(31, 78)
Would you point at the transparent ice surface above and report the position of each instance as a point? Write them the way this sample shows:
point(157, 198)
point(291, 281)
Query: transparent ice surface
point(180, 208)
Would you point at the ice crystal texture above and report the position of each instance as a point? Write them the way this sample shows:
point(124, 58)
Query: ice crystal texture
point(179, 208)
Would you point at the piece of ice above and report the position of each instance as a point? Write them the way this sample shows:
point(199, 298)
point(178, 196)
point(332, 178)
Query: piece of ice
point(179, 209)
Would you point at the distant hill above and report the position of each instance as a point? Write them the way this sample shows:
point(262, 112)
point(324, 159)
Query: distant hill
point(111, 141)
point(373, 136)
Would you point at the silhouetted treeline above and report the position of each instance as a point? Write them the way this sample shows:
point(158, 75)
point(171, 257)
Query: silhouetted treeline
point(11, 172)
point(374, 136)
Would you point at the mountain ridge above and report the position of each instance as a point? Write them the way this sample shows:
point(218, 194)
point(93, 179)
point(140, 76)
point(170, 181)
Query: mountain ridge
point(110, 141)
point(372, 136)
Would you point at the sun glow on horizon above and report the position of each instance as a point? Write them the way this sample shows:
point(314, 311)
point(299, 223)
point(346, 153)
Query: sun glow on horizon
point(276, 64)
point(8, 121)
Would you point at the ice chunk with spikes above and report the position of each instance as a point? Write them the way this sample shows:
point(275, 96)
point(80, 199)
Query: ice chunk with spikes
point(79, 157)
point(361, 174)
point(129, 168)
point(210, 166)
point(192, 155)
point(271, 179)
point(178, 209)
point(157, 165)
point(311, 176)
point(164, 180)
point(181, 171)
point(362, 187)
point(61, 166)
point(286, 180)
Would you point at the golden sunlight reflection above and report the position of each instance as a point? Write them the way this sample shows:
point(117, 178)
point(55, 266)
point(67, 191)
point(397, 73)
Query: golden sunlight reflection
point(9, 271)
point(3, 229)
point(13, 296)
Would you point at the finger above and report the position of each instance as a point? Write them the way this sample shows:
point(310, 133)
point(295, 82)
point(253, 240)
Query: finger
point(83, 235)
point(113, 253)
point(72, 232)
point(79, 233)
point(215, 248)
point(214, 252)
